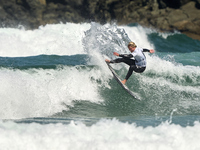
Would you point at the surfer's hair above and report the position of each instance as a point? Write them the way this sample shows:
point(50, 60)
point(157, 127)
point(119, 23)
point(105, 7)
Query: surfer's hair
point(132, 44)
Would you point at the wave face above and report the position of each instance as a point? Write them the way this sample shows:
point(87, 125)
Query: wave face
point(59, 71)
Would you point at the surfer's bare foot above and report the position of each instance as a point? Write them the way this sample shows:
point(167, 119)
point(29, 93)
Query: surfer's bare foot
point(124, 81)
point(108, 61)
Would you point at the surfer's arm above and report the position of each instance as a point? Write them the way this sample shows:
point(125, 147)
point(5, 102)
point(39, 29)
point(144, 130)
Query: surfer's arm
point(148, 50)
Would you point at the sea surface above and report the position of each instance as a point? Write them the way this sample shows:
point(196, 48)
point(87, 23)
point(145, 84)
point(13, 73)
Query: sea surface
point(57, 93)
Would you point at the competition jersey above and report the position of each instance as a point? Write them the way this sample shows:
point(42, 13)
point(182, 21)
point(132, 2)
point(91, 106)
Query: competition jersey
point(138, 55)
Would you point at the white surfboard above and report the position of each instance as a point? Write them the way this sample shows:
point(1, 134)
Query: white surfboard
point(119, 81)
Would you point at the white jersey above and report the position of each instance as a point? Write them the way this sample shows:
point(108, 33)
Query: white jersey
point(140, 59)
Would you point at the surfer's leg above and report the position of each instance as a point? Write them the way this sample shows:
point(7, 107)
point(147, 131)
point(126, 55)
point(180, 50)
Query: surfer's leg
point(124, 81)
point(134, 68)
point(124, 60)
point(118, 60)
point(130, 71)
point(140, 70)
point(114, 61)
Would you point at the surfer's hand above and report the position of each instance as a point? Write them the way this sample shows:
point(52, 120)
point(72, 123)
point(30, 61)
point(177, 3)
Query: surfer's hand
point(116, 54)
point(151, 51)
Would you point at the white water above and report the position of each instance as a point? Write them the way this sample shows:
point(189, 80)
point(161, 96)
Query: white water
point(36, 93)
point(41, 93)
point(60, 39)
point(105, 134)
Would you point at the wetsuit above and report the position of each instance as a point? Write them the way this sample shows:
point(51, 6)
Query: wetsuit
point(136, 60)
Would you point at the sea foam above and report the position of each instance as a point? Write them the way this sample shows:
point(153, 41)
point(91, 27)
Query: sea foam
point(59, 39)
point(105, 134)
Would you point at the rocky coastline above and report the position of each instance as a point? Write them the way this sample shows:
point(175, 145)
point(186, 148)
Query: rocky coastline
point(164, 15)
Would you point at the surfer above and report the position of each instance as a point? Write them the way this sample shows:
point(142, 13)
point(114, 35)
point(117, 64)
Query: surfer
point(136, 60)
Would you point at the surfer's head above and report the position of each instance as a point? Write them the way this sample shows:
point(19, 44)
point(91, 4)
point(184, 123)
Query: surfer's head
point(131, 44)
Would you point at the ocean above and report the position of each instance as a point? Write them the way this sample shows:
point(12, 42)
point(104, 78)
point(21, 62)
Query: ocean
point(57, 92)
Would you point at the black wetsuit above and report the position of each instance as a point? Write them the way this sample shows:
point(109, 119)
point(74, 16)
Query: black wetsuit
point(133, 63)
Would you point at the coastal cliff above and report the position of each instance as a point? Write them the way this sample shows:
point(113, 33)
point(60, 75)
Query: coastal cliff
point(164, 15)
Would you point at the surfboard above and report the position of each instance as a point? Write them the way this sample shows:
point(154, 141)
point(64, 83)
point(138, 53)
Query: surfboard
point(117, 78)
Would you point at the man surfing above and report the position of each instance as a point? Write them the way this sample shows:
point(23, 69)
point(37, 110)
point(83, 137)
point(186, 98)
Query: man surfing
point(136, 60)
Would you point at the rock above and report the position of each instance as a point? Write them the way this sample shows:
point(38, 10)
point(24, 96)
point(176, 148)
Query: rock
point(172, 3)
point(3, 14)
point(189, 19)
point(43, 2)
point(191, 10)
point(166, 15)
point(176, 16)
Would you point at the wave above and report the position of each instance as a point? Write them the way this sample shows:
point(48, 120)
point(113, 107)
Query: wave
point(84, 90)
point(59, 39)
point(106, 134)
point(42, 61)
point(71, 79)
point(39, 92)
